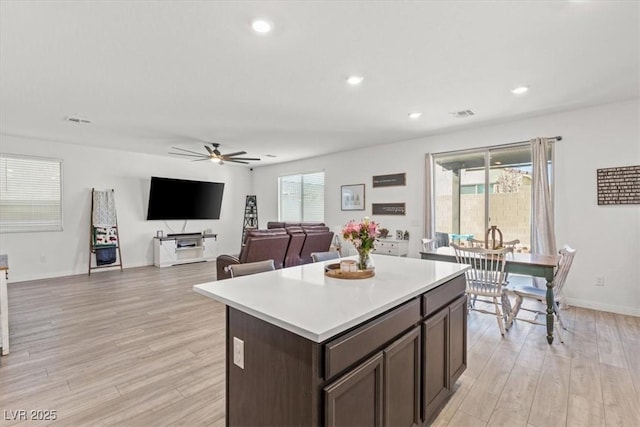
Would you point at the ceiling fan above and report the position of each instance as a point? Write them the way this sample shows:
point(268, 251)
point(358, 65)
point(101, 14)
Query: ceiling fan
point(214, 155)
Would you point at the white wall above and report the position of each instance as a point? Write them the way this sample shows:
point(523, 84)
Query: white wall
point(67, 252)
point(607, 238)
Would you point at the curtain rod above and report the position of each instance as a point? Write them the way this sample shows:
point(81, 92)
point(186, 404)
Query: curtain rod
point(510, 144)
point(475, 149)
point(555, 138)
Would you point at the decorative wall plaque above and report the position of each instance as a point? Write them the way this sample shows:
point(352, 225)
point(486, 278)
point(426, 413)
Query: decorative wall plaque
point(388, 209)
point(390, 180)
point(619, 186)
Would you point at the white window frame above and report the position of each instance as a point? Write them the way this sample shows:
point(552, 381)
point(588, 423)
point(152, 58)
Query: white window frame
point(27, 228)
point(302, 174)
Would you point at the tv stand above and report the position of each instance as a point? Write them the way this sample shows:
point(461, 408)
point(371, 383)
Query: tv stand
point(184, 234)
point(184, 248)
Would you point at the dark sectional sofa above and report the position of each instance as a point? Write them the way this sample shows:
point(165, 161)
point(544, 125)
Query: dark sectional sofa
point(287, 244)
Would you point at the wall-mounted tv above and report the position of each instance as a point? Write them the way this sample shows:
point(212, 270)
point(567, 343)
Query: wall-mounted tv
point(183, 199)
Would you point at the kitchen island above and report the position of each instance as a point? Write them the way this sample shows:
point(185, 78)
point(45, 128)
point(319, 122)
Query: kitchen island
point(305, 349)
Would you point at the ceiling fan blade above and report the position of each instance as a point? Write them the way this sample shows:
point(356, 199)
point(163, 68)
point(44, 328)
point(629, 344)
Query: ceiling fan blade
point(235, 161)
point(237, 153)
point(190, 155)
point(208, 149)
point(201, 160)
point(243, 158)
point(187, 151)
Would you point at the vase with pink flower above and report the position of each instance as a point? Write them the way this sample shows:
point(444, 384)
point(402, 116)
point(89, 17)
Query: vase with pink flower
point(363, 236)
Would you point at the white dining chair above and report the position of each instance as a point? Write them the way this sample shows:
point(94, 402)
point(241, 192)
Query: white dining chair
point(486, 280)
point(428, 244)
point(528, 290)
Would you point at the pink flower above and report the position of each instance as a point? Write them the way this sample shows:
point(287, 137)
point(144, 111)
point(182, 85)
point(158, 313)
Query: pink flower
point(363, 234)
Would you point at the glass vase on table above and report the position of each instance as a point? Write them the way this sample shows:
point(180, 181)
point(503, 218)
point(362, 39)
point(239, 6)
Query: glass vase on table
point(364, 259)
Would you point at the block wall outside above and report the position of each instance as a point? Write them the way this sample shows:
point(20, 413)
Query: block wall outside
point(511, 212)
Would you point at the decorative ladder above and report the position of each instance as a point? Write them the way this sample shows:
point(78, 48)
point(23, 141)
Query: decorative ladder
point(250, 216)
point(92, 240)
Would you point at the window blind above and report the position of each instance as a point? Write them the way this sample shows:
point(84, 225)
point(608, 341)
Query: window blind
point(30, 194)
point(301, 197)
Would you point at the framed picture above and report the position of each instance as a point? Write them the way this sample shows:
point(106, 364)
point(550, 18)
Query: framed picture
point(352, 197)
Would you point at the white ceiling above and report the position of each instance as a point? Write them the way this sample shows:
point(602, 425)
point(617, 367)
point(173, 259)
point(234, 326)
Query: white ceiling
point(152, 74)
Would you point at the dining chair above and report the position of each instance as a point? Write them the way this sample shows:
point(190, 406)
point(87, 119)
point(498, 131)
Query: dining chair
point(428, 244)
point(248, 268)
point(480, 243)
point(324, 256)
point(531, 292)
point(486, 280)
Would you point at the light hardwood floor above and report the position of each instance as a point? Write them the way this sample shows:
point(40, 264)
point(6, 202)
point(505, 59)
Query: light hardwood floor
point(140, 348)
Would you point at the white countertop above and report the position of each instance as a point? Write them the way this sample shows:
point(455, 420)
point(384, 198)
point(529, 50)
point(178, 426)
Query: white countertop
point(304, 301)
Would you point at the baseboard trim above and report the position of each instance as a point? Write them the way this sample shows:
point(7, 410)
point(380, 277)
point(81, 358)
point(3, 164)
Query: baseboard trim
point(630, 311)
point(54, 275)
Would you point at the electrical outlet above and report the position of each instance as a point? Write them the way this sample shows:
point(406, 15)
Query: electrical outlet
point(600, 281)
point(238, 352)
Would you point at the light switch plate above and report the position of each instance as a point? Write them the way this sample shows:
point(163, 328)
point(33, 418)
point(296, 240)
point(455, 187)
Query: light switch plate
point(238, 352)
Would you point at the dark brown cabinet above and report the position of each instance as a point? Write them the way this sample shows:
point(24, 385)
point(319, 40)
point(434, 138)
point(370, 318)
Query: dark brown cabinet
point(356, 399)
point(445, 355)
point(383, 391)
point(396, 369)
point(436, 360)
point(402, 365)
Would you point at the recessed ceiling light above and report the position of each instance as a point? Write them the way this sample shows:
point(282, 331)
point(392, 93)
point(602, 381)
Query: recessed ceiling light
point(497, 163)
point(519, 90)
point(261, 26)
point(415, 115)
point(355, 80)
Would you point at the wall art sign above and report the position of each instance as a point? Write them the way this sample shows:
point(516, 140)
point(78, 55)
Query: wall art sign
point(619, 186)
point(388, 209)
point(390, 180)
point(352, 197)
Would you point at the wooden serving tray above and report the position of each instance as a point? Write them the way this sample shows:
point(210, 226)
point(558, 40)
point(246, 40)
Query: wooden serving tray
point(360, 274)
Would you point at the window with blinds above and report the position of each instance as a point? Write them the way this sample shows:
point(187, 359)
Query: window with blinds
point(301, 197)
point(30, 194)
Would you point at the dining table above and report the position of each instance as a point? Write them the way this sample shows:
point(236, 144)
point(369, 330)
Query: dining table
point(528, 264)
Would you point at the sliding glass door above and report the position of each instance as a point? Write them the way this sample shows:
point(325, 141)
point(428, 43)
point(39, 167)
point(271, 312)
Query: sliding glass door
point(473, 190)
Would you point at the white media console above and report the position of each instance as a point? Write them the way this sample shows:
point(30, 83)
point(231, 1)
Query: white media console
point(184, 248)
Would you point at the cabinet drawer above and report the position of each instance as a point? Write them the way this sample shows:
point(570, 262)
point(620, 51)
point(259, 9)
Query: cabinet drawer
point(434, 300)
point(359, 343)
point(385, 251)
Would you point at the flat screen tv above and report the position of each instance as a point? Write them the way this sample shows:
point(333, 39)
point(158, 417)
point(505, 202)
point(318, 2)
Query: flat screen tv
point(183, 199)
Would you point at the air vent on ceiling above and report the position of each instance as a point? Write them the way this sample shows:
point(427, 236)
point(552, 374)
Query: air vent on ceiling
point(78, 120)
point(462, 114)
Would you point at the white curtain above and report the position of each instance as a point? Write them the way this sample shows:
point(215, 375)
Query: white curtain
point(543, 235)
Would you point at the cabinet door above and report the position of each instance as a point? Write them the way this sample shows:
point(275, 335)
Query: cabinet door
point(402, 381)
point(355, 399)
point(209, 248)
point(165, 252)
point(435, 348)
point(457, 338)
